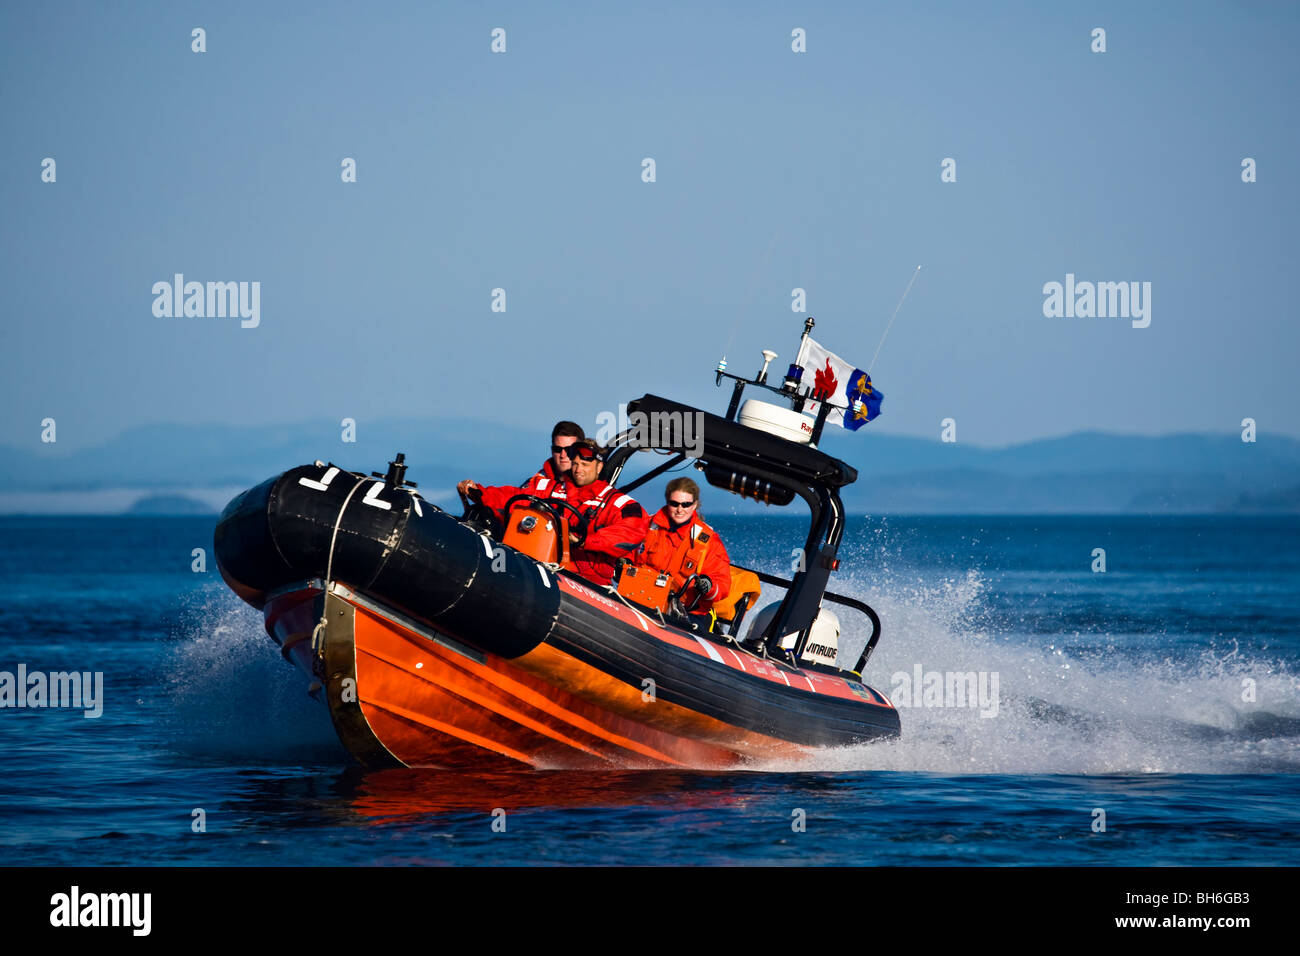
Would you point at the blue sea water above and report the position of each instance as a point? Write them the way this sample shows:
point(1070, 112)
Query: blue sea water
point(1161, 698)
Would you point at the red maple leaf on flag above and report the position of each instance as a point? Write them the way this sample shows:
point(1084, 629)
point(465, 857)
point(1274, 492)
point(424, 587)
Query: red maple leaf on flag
point(824, 384)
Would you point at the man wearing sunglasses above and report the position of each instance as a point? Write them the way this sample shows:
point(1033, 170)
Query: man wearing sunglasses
point(552, 478)
point(680, 543)
point(615, 522)
point(555, 470)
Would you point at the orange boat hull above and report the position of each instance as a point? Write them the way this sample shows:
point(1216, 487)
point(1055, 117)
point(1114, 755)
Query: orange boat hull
point(403, 695)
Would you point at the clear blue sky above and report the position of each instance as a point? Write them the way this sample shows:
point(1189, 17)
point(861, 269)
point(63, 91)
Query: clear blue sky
point(522, 170)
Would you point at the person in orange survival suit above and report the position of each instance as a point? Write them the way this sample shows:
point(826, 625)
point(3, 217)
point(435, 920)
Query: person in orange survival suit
point(556, 468)
point(616, 523)
point(551, 480)
point(678, 542)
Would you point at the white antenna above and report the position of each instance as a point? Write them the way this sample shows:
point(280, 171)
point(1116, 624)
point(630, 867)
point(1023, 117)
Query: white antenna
point(891, 320)
point(767, 258)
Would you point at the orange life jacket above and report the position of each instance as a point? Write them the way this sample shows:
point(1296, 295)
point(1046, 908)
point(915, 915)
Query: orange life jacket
point(692, 548)
point(680, 559)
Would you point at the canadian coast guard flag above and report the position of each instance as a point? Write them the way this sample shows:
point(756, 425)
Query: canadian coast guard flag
point(838, 383)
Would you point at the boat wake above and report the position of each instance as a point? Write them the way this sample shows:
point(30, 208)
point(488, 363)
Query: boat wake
point(1069, 704)
point(1061, 707)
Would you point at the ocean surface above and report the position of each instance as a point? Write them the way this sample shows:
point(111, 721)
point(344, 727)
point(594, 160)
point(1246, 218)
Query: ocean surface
point(1144, 715)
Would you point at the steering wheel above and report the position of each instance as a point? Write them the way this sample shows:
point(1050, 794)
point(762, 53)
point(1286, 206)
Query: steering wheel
point(677, 598)
point(549, 505)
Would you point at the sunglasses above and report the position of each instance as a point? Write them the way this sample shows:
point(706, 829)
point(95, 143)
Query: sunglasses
point(565, 450)
point(582, 453)
point(681, 504)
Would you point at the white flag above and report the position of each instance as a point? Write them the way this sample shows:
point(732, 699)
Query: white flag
point(828, 376)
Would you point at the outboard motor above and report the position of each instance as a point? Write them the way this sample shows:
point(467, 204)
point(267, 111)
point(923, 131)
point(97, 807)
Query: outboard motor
point(823, 641)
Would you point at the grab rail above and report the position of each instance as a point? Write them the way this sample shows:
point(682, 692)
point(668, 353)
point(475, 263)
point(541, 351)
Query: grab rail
point(854, 603)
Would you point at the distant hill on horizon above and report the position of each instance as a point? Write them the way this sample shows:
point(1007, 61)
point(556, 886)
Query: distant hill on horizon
point(170, 505)
point(1086, 472)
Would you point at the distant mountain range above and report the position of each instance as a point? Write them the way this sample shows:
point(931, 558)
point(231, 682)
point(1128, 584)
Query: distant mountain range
point(1082, 473)
point(178, 469)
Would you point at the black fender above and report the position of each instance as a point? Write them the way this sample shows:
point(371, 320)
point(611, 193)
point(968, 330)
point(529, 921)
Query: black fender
point(405, 552)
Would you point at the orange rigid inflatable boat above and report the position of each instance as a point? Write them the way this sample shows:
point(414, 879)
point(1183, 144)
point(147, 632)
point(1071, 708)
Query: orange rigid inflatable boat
point(439, 640)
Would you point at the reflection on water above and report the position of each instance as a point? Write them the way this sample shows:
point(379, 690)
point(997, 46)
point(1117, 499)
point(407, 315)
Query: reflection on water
point(397, 794)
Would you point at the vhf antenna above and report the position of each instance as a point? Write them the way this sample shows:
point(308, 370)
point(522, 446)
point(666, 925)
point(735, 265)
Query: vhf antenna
point(891, 321)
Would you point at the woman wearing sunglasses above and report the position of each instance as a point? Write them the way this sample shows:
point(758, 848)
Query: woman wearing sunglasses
point(680, 543)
